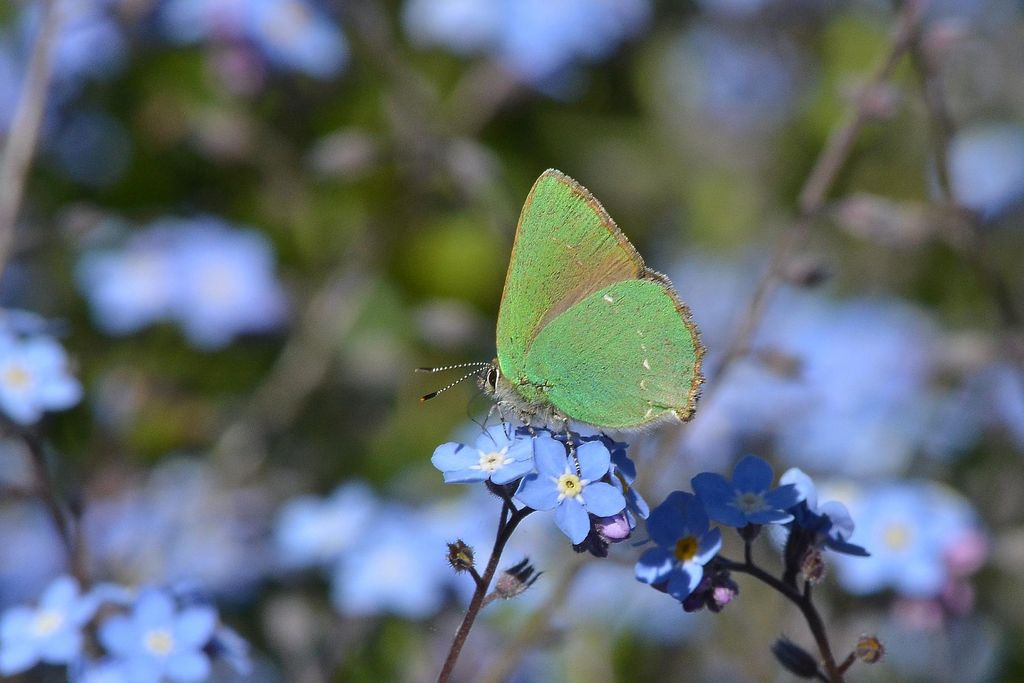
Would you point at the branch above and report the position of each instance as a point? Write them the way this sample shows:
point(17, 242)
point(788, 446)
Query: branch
point(24, 133)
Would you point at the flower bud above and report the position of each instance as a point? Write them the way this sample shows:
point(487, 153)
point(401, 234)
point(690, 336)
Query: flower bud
point(615, 528)
point(460, 556)
point(869, 649)
point(812, 566)
point(516, 579)
point(795, 659)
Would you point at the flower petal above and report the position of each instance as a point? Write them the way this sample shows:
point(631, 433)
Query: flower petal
point(538, 492)
point(512, 471)
point(769, 517)
point(495, 437)
point(452, 456)
point(194, 626)
point(712, 487)
point(549, 456)
point(603, 500)
point(573, 520)
point(188, 667)
point(118, 636)
point(752, 474)
point(709, 545)
point(154, 608)
point(684, 580)
point(465, 476)
point(784, 497)
point(654, 565)
point(667, 522)
point(594, 460)
point(804, 486)
point(62, 647)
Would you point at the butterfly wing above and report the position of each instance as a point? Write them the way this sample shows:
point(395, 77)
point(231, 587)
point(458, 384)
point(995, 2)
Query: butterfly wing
point(566, 248)
point(625, 356)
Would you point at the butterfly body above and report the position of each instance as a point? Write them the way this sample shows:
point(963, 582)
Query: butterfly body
point(586, 332)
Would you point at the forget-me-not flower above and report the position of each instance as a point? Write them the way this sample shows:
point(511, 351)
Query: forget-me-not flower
point(50, 632)
point(291, 34)
point(501, 454)
point(215, 280)
point(157, 641)
point(402, 571)
point(748, 498)
point(535, 39)
point(679, 527)
point(34, 377)
point(912, 530)
point(570, 485)
point(830, 522)
point(312, 531)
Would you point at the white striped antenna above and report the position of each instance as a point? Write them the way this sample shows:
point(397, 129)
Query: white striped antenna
point(478, 367)
point(476, 364)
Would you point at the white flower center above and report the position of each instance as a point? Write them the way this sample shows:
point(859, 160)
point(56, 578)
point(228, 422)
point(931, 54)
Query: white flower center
point(569, 486)
point(159, 641)
point(749, 501)
point(47, 622)
point(492, 461)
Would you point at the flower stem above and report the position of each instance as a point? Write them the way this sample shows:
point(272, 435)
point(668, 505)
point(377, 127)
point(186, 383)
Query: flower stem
point(507, 524)
point(833, 673)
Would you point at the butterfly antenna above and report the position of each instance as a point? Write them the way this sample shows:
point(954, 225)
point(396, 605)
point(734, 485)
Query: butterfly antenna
point(476, 364)
point(432, 394)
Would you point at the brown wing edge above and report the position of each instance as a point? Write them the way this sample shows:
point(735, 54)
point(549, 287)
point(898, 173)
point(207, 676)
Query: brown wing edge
point(599, 209)
point(685, 413)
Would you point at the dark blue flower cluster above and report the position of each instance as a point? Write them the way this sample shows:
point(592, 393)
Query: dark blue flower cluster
point(586, 480)
point(685, 561)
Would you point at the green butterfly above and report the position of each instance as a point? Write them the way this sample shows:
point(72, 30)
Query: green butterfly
point(586, 332)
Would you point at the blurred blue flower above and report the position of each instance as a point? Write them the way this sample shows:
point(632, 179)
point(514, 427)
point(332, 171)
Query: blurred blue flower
point(732, 82)
point(749, 498)
point(216, 281)
point(501, 454)
point(158, 641)
point(312, 531)
point(679, 528)
point(536, 39)
point(839, 386)
point(292, 34)
point(914, 531)
point(986, 167)
point(401, 572)
point(183, 524)
point(623, 474)
point(92, 148)
point(102, 671)
point(830, 522)
point(570, 485)
point(34, 377)
point(50, 632)
point(33, 553)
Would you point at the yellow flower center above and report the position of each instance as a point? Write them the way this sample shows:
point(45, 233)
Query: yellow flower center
point(492, 461)
point(896, 536)
point(47, 622)
point(159, 641)
point(16, 376)
point(686, 548)
point(569, 486)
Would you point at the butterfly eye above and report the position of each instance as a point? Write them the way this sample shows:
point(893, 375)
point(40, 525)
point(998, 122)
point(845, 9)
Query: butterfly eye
point(492, 378)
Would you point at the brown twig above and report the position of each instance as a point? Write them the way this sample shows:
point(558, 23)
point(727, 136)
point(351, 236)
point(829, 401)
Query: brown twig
point(25, 125)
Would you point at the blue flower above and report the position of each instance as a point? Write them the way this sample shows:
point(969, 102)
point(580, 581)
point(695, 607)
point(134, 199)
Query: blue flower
point(570, 485)
point(158, 641)
point(830, 522)
point(34, 377)
point(313, 531)
point(215, 280)
point(290, 33)
point(535, 39)
point(501, 454)
point(986, 168)
point(679, 527)
point(102, 671)
point(50, 632)
point(402, 571)
point(623, 474)
point(913, 529)
point(749, 499)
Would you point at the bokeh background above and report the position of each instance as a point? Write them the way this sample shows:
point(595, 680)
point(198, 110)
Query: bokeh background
point(247, 221)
